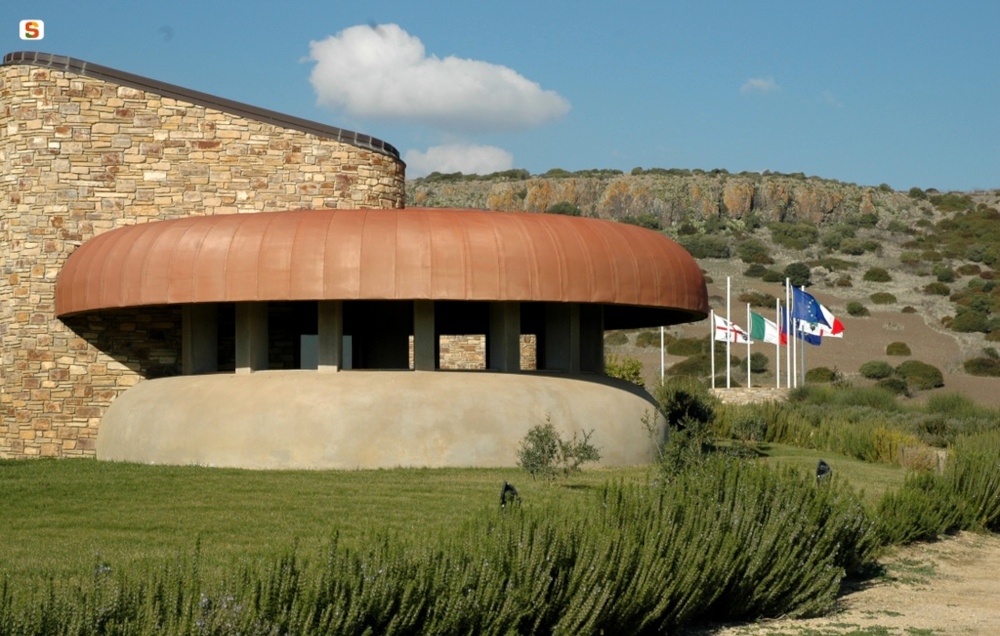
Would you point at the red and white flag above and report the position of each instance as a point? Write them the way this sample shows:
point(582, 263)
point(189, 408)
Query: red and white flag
point(730, 331)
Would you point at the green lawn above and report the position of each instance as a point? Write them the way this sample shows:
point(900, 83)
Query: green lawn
point(63, 516)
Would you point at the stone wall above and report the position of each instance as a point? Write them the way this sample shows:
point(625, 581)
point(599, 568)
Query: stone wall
point(81, 156)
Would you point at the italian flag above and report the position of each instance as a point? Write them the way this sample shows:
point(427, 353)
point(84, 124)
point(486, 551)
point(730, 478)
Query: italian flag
point(763, 329)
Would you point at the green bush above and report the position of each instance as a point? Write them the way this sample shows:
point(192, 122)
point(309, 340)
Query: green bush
point(822, 374)
point(753, 251)
point(854, 246)
point(920, 375)
point(648, 339)
point(952, 202)
point(895, 385)
point(564, 207)
point(615, 338)
point(796, 236)
point(755, 271)
point(854, 308)
point(970, 321)
point(696, 366)
point(917, 193)
point(687, 346)
point(758, 362)
point(924, 508)
point(627, 368)
point(757, 299)
point(705, 246)
point(984, 366)
point(876, 369)
point(685, 402)
point(968, 269)
point(883, 298)
point(798, 274)
point(544, 454)
point(877, 275)
point(937, 288)
point(772, 276)
point(897, 349)
point(834, 237)
point(908, 310)
point(647, 220)
point(944, 274)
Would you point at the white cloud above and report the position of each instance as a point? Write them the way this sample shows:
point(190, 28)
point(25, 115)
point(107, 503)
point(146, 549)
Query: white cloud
point(759, 85)
point(384, 72)
point(465, 158)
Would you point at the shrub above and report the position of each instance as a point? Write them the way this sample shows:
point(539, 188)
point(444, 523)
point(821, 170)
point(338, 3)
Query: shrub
point(796, 236)
point(544, 454)
point(697, 366)
point(685, 402)
point(854, 308)
point(853, 246)
point(925, 507)
point(952, 202)
point(944, 274)
point(822, 374)
point(897, 349)
point(758, 362)
point(984, 366)
point(772, 276)
point(909, 258)
point(937, 288)
point(564, 207)
point(968, 269)
point(798, 274)
point(908, 310)
point(755, 271)
point(687, 346)
point(917, 193)
point(844, 281)
point(876, 369)
point(970, 321)
point(896, 385)
point(877, 275)
point(757, 299)
point(615, 338)
point(834, 237)
point(920, 375)
point(701, 246)
point(627, 368)
point(644, 219)
point(647, 339)
point(882, 298)
point(752, 250)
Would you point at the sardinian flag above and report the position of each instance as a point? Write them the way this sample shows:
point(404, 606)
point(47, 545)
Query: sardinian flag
point(730, 331)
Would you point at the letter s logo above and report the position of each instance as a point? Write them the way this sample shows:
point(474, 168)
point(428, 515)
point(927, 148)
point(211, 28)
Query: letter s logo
point(32, 30)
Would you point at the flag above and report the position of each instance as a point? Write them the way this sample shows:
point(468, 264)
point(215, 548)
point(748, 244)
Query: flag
point(832, 329)
point(807, 308)
point(763, 329)
point(730, 331)
point(802, 332)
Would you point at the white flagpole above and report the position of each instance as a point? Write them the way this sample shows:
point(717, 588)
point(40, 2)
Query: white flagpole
point(803, 347)
point(748, 345)
point(711, 343)
point(661, 355)
point(777, 346)
point(729, 319)
point(793, 330)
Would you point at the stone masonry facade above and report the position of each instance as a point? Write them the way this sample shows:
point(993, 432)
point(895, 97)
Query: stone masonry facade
point(82, 155)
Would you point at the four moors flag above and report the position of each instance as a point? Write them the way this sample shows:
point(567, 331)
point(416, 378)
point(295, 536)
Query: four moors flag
point(725, 330)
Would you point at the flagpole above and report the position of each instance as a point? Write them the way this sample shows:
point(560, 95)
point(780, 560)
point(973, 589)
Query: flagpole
point(748, 345)
point(661, 355)
point(729, 319)
point(711, 342)
point(793, 326)
point(777, 345)
point(803, 371)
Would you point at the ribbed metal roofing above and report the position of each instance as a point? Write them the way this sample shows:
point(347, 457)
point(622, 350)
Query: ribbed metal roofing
point(416, 253)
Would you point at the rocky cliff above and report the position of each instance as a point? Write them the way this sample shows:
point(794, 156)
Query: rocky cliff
point(669, 196)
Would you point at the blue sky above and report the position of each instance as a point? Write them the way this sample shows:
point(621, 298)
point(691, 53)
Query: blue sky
point(901, 92)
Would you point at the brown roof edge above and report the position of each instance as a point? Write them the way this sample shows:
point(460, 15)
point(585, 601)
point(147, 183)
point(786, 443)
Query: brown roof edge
point(87, 69)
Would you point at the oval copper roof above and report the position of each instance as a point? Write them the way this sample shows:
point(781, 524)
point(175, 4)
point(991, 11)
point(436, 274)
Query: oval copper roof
point(415, 253)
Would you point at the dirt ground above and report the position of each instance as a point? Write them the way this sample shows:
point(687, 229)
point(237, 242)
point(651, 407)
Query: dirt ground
point(951, 586)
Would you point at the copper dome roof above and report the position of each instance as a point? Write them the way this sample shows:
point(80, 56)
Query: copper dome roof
point(415, 253)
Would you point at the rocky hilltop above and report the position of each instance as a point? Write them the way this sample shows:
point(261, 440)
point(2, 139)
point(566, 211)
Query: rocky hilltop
point(661, 196)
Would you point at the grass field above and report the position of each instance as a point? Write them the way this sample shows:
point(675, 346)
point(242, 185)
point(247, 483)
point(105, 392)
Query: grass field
point(62, 517)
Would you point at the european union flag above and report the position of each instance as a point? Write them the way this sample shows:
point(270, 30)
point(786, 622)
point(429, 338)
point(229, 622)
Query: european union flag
point(806, 308)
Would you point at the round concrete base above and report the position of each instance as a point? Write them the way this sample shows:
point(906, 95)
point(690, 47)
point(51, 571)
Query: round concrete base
point(369, 419)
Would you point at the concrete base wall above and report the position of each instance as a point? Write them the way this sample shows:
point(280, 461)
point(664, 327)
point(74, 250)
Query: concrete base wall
point(369, 419)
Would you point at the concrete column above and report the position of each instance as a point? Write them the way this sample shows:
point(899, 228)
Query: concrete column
point(251, 337)
point(330, 323)
point(425, 356)
point(199, 339)
point(503, 342)
point(592, 338)
point(562, 337)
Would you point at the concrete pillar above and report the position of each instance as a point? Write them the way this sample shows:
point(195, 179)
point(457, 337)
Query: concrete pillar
point(503, 342)
point(330, 326)
point(562, 337)
point(592, 338)
point(251, 337)
point(199, 339)
point(425, 353)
